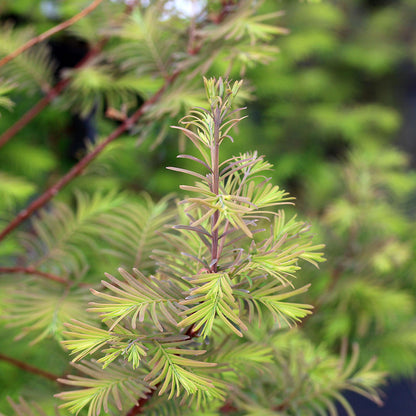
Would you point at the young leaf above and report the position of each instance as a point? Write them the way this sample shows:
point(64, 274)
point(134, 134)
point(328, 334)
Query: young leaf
point(102, 389)
point(213, 299)
point(175, 373)
point(134, 296)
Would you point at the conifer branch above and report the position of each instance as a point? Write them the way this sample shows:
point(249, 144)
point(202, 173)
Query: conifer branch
point(50, 32)
point(137, 409)
point(29, 368)
point(58, 88)
point(83, 163)
point(51, 95)
point(210, 295)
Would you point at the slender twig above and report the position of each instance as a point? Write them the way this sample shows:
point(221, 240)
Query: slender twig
point(31, 270)
point(56, 90)
point(51, 32)
point(227, 6)
point(83, 163)
point(215, 188)
point(131, 5)
point(43, 102)
point(33, 112)
point(40, 273)
point(29, 368)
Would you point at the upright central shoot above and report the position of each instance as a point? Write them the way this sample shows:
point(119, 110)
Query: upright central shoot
point(232, 203)
point(212, 127)
point(229, 262)
point(215, 175)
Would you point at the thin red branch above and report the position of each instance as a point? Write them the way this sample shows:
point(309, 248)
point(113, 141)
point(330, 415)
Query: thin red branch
point(49, 276)
point(137, 409)
point(31, 270)
point(58, 88)
point(228, 408)
point(33, 112)
point(227, 7)
point(29, 368)
point(51, 32)
point(43, 102)
point(215, 189)
point(83, 163)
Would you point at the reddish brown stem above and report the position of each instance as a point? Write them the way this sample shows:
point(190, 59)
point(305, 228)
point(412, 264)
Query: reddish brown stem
point(43, 102)
point(33, 112)
point(137, 409)
point(228, 408)
point(83, 163)
point(227, 6)
point(56, 90)
point(215, 216)
point(29, 368)
point(31, 270)
point(51, 32)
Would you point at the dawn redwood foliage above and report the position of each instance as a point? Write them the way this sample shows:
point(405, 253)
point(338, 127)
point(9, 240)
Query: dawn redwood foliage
point(208, 313)
point(230, 262)
point(190, 331)
point(208, 318)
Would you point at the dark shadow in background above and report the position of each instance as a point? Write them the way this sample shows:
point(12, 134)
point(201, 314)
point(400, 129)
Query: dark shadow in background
point(399, 400)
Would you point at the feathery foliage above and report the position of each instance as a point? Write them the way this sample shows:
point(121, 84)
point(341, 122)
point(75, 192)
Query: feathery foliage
point(160, 324)
point(130, 53)
point(23, 408)
point(133, 231)
point(31, 70)
point(5, 90)
point(62, 235)
point(116, 384)
point(307, 379)
point(198, 319)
